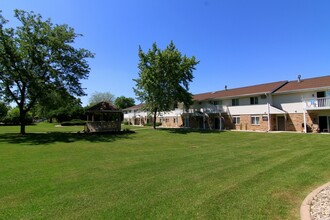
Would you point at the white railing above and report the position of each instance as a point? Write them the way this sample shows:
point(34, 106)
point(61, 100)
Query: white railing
point(317, 103)
point(207, 109)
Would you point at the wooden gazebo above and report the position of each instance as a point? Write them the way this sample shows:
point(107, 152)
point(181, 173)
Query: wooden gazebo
point(103, 117)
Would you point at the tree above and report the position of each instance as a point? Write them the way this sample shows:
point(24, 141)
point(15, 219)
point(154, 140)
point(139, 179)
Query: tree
point(97, 97)
point(36, 58)
point(123, 102)
point(164, 77)
point(60, 105)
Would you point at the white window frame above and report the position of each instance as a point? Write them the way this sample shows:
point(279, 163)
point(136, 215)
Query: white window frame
point(235, 102)
point(254, 100)
point(255, 119)
point(235, 121)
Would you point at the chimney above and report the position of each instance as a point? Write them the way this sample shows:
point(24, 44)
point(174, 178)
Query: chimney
point(226, 87)
point(299, 78)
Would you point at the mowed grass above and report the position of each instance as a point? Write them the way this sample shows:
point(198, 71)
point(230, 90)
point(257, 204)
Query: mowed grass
point(159, 174)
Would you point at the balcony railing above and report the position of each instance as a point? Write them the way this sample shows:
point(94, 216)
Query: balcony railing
point(317, 103)
point(207, 109)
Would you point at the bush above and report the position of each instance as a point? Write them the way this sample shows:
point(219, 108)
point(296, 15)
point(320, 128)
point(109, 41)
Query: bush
point(13, 117)
point(152, 124)
point(127, 123)
point(73, 122)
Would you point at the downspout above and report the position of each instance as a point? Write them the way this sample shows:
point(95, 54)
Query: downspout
point(305, 121)
point(220, 122)
point(268, 111)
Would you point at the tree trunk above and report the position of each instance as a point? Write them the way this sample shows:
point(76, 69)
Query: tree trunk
point(154, 121)
point(22, 115)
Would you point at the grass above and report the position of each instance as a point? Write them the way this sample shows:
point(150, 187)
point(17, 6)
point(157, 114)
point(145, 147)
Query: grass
point(158, 174)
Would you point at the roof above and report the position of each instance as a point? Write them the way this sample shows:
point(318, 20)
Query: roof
point(104, 106)
point(274, 111)
point(139, 106)
point(305, 84)
point(243, 91)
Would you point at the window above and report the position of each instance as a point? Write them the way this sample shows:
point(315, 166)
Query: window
point(253, 100)
point(167, 120)
point(255, 120)
point(236, 120)
point(174, 120)
point(235, 102)
point(160, 120)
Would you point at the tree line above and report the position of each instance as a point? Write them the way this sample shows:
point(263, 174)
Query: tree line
point(41, 72)
point(60, 109)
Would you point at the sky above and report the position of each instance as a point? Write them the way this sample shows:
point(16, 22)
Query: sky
point(238, 42)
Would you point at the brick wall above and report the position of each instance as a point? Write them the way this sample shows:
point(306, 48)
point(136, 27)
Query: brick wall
point(169, 122)
point(295, 121)
point(246, 123)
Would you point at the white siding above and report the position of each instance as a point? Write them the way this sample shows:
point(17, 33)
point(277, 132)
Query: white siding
point(291, 103)
point(248, 109)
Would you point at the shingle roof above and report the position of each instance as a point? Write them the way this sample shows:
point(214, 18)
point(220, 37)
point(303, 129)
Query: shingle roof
point(139, 106)
point(243, 91)
point(311, 83)
point(103, 106)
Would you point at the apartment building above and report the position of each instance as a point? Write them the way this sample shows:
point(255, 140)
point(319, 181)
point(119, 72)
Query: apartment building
point(301, 105)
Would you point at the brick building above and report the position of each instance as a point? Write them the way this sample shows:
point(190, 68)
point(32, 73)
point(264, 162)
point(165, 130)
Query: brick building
point(299, 105)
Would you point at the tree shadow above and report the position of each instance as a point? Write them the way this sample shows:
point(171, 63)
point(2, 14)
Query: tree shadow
point(61, 137)
point(190, 130)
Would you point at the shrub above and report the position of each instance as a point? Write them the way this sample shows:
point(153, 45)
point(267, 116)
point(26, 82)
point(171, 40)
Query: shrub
point(73, 122)
point(127, 123)
point(151, 124)
point(13, 117)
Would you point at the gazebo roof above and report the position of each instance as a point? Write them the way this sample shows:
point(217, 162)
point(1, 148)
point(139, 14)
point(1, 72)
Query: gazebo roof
point(103, 107)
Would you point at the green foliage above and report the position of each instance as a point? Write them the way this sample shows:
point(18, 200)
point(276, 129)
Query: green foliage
point(61, 106)
point(37, 58)
point(13, 117)
point(125, 122)
point(123, 102)
point(164, 77)
point(3, 110)
point(73, 122)
point(152, 124)
point(98, 97)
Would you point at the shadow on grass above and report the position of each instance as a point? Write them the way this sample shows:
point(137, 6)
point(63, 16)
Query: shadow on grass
point(61, 137)
point(189, 130)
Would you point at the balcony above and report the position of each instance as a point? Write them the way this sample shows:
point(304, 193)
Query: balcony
point(209, 109)
point(317, 103)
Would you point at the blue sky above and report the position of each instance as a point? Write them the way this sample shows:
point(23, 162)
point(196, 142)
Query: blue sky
point(238, 42)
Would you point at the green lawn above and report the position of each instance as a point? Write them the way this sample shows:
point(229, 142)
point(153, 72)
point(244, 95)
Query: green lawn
point(158, 174)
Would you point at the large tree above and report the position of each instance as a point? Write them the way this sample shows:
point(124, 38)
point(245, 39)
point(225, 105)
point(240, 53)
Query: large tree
point(124, 102)
point(37, 58)
point(97, 97)
point(164, 77)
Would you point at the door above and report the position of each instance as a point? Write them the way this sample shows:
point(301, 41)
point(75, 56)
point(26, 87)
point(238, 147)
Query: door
point(217, 123)
point(323, 123)
point(201, 122)
point(281, 123)
point(320, 99)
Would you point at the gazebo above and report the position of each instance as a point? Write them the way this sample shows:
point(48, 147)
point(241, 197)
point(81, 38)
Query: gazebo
point(103, 117)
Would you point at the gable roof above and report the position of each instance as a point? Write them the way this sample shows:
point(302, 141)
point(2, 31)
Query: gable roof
point(243, 91)
point(305, 84)
point(103, 106)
